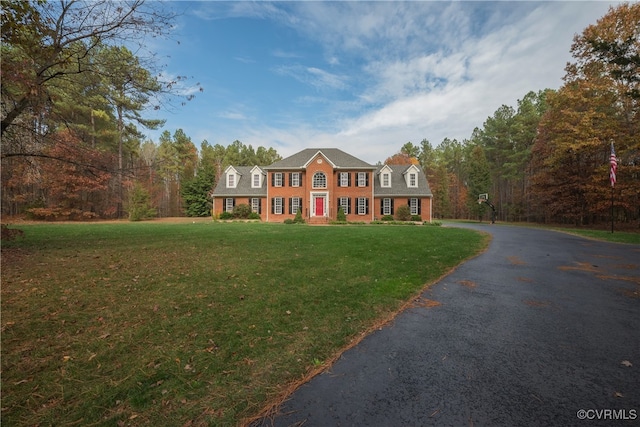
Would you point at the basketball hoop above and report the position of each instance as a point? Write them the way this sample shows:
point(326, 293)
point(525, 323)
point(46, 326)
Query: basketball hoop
point(483, 198)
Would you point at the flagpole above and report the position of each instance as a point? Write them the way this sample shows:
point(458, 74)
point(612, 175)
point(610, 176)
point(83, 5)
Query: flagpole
point(613, 169)
point(611, 209)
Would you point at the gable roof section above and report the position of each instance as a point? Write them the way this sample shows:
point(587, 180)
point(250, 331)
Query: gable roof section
point(399, 185)
point(244, 185)
point(338, 158)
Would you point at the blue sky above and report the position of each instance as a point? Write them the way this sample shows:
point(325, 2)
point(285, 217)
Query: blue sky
point(365, 77)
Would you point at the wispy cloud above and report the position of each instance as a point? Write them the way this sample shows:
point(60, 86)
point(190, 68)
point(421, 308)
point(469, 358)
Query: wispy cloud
point(279, 53)
point(244, 59)
point(320, 79)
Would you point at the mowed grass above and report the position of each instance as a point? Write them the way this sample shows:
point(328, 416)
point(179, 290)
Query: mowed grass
point(195, 324)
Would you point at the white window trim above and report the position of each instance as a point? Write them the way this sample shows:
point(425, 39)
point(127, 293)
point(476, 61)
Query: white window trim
point(412, 176)
point(254, 177)
point(278, 203)
point(278, 179)
point(386, 177)
point(232, 182)
point(228, 204)
point(296, 204)
point(361, 207)
point(345, 206)
point(362, 179)
point(386, 206)
point(344, 179)
point(255, 204)
point(413, 205)
point(295, 179)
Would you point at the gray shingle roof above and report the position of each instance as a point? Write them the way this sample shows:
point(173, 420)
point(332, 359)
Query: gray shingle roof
point(244, 185)
point(338, 157)
point(399, 185)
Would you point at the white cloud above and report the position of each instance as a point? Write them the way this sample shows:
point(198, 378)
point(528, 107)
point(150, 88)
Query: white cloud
point(408, 71)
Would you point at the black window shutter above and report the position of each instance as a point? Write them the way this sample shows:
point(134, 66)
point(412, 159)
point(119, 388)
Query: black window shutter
point(259, 206)
point(419, 206)
point(391, 206)
point(348, 179)
point(366, 181)
point(349, 204)
point(234, 202)
point(366, 206)
point(273, 205)
point(381, 206)
point(290, 205)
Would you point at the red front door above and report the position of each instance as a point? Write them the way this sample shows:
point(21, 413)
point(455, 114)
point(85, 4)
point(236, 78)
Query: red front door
point(319, 206)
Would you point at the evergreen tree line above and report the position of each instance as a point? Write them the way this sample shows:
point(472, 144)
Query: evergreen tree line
point(73, 107)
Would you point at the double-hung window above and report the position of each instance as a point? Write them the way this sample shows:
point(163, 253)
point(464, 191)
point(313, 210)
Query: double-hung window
point(295, 205)
point(412, 180)
point(387, 206)
point(294, 179)
point(255, 205)
point(363, 205)
point(256, 180)
point(386, 181)
point(231, 181)
point(363, 179)
point(343, 202)
point(277, 205)
point(414, 206)
point(228, 204)
point(278, 179)
point(343, 180)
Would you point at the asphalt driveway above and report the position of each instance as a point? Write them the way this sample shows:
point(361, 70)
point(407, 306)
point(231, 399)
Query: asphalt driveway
point(541, 329)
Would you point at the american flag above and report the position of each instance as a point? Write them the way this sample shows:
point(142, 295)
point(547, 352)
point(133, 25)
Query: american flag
point(614, 166)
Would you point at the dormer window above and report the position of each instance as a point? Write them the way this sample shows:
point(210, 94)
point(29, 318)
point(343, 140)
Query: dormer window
point(413, 180)
point(231, 180)
point(385, 176)
point(411, 176)
point(386, 180)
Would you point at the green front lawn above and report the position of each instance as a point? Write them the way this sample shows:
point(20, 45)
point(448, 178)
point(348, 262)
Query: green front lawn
point(169, 324)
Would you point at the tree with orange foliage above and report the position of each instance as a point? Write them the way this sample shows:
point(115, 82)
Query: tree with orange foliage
point(401, 159)
point(77, 180)
point(597, 105)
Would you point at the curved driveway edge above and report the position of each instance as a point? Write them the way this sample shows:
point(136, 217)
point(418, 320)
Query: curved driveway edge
point(541, 329)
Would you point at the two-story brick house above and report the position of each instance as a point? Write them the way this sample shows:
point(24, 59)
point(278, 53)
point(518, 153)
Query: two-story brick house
point(317, 181)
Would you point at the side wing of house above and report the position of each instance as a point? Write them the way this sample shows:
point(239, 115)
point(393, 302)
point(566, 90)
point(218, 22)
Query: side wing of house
point(241, 185)
point(398, 185)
